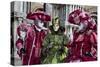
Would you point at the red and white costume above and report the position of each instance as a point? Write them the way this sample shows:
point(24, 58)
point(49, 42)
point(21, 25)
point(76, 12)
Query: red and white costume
point(84, 45)
point(32, 43)
point(32, 40)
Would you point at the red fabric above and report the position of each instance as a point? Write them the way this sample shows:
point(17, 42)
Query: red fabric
point(32, 36)
point(83, 42)
point(22, 27)
point(73, 15)
point(88, 59)
point(80, 46)
point(39, 16)
point(83, 17)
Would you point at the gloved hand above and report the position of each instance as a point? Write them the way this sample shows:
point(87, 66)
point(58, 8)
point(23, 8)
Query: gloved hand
point(22, 50)
point(88, 54)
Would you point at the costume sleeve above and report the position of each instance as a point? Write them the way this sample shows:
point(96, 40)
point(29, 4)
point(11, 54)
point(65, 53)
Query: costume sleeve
point(66, 40)
point(19, 43)
point(93, 39)
point(92, 24)
point(65, 46)
point(45, 32)
point(45, 45)
point(46, 41)
point(64, 49)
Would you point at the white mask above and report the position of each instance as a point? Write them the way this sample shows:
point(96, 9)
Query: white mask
point(40, 24)
point(81, 27)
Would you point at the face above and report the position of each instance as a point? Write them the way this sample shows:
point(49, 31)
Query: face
point(56, 23)
point(39, 23)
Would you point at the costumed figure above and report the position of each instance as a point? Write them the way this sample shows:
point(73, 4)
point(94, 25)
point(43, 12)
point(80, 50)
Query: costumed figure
point(84, 44)
point(54, 46)
point(29, 43)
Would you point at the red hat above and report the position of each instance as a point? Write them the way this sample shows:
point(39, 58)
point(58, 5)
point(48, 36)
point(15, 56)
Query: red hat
point(39, 16)
point(72, 16)
point(84, 16)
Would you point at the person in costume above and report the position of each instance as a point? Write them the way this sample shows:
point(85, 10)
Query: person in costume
point(29, 43)
point(54, 48)
point(84, 44)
